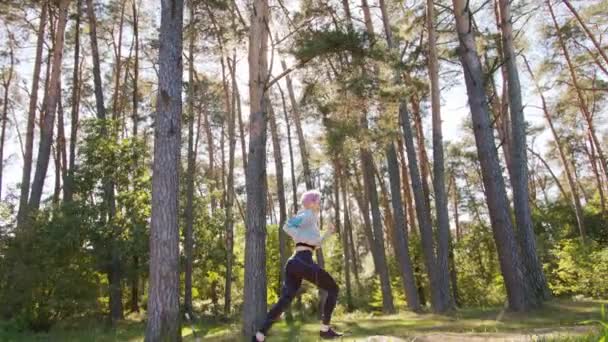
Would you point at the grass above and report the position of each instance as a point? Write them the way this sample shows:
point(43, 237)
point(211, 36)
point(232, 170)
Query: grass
point(558, 316)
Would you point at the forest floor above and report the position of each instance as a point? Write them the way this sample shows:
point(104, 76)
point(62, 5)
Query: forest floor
point(558, 320)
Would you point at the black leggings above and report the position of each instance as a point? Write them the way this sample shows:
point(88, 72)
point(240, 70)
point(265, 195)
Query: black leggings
point(301, 266)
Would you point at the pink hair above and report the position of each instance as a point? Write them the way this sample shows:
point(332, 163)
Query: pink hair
point(310, 197)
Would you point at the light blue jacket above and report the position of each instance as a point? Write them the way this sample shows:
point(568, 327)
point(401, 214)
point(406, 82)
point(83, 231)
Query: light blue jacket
point(304, 227)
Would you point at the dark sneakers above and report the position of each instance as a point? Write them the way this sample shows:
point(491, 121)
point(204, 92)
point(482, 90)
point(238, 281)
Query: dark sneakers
point(330, 334)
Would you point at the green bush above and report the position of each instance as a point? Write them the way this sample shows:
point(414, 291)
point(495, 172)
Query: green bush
point(47, 273)
point(579, 269)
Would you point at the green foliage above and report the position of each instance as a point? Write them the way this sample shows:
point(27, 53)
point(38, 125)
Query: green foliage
point(47, 272)
point(209, 256)
point(579, 269)
point(316, 43)
point(106, 159)
point(51, 269)
point(479, 280)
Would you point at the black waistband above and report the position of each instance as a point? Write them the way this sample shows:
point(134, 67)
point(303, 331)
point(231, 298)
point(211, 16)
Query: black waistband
point(305, 245)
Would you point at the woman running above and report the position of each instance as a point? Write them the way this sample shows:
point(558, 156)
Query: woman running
point(304, 230)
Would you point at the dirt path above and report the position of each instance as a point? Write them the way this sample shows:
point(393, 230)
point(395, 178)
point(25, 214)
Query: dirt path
point(533, 335)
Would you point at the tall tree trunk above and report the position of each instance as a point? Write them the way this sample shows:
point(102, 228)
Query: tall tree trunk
point(297, 120)
point(6, 83)
point(343, 233)
point(377, 238)
point(242, 132)
point(445, 300)
point(399, 236)
point(100, 106)
point(60, 158)
point(389, 222)
point(254, 301)
point(596, 170)
point(230, 195)
point(114, 276)
point(278, 163)
point(189, 212)
point(422, 210)
point(278, 157)
point(68, 182)
point(371, 192)
point(453, 273)
point(210, 152)
point(135, 285)
point(31, 120)
point(410, 209)
point(500, 103)
point(400, 244)
point(582, 103)
point(278, 160)
point(135, 119)
point(135, 95)
point(494, 185)
point(163, 303)
point(348, 232)
point(292, 168)
point(423, 158)
point(533, 271)
point(118, 63)
point(46, 137)
point(455, 204)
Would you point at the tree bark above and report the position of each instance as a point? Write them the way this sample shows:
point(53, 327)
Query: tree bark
point(533, 271)
point(377, 238)
point(100, 106)
point(371, 192)
point(6, 83)
point(135, 285)
point(445, 301)
point(60, 157)
point(400, 243)
point(422, 210)
point(343, 233)
point(294, 184)
point(135, 95)
point(114, 276)
point(230, 194)
point(278, 163)
point(163, 303)
point(68, 182)
point(348, 231)
point(410, 209)
point(191, 167)
point(254, 301)
point(297, 120)
point(31, 120)
point(494, 185)
point(118, 62)
point(46, 138)
point(387, 214)
point(423, 158)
